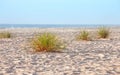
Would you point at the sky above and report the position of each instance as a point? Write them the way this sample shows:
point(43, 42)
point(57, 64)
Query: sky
point(59, 11)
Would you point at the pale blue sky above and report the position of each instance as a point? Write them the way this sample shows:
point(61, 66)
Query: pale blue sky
point(59, 11)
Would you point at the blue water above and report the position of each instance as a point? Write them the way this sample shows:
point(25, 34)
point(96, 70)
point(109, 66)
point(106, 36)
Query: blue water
point(50, 25)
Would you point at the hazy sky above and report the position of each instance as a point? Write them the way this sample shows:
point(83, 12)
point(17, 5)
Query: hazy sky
point(59, 11)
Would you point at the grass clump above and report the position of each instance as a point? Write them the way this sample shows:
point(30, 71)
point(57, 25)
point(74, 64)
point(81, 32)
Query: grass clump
point(5, 35)
point(46, 42)
point(103, 32)
point(84, 35)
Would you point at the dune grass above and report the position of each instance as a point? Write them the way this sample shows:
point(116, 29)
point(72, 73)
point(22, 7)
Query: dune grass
point(84, 35)
point(46, 42)
point(5, 35)
point(103, 32)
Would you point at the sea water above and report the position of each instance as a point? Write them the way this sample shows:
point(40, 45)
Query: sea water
point(52, 25)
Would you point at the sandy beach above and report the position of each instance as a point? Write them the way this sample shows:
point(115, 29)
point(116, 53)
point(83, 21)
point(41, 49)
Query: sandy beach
point(96, 57)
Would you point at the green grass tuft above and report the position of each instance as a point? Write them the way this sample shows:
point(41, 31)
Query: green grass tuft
point(103, 32)
point(5, 35)
point(84, 35)
point(46, 42)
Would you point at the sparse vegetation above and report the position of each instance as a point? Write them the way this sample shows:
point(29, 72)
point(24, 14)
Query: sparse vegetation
point(103, 32)
point(84, 35)
point(5, 35)
point(47, 42)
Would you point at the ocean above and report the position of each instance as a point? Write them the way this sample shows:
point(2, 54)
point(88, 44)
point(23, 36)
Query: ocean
point(53, 25)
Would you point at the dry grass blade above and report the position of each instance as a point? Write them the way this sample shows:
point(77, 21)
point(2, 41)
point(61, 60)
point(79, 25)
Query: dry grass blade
point(46, 42)
point(84, 35)
point(103, 32)
point(5, 35)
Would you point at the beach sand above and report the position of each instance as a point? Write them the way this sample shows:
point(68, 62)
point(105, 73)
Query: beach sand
point(96, 57)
